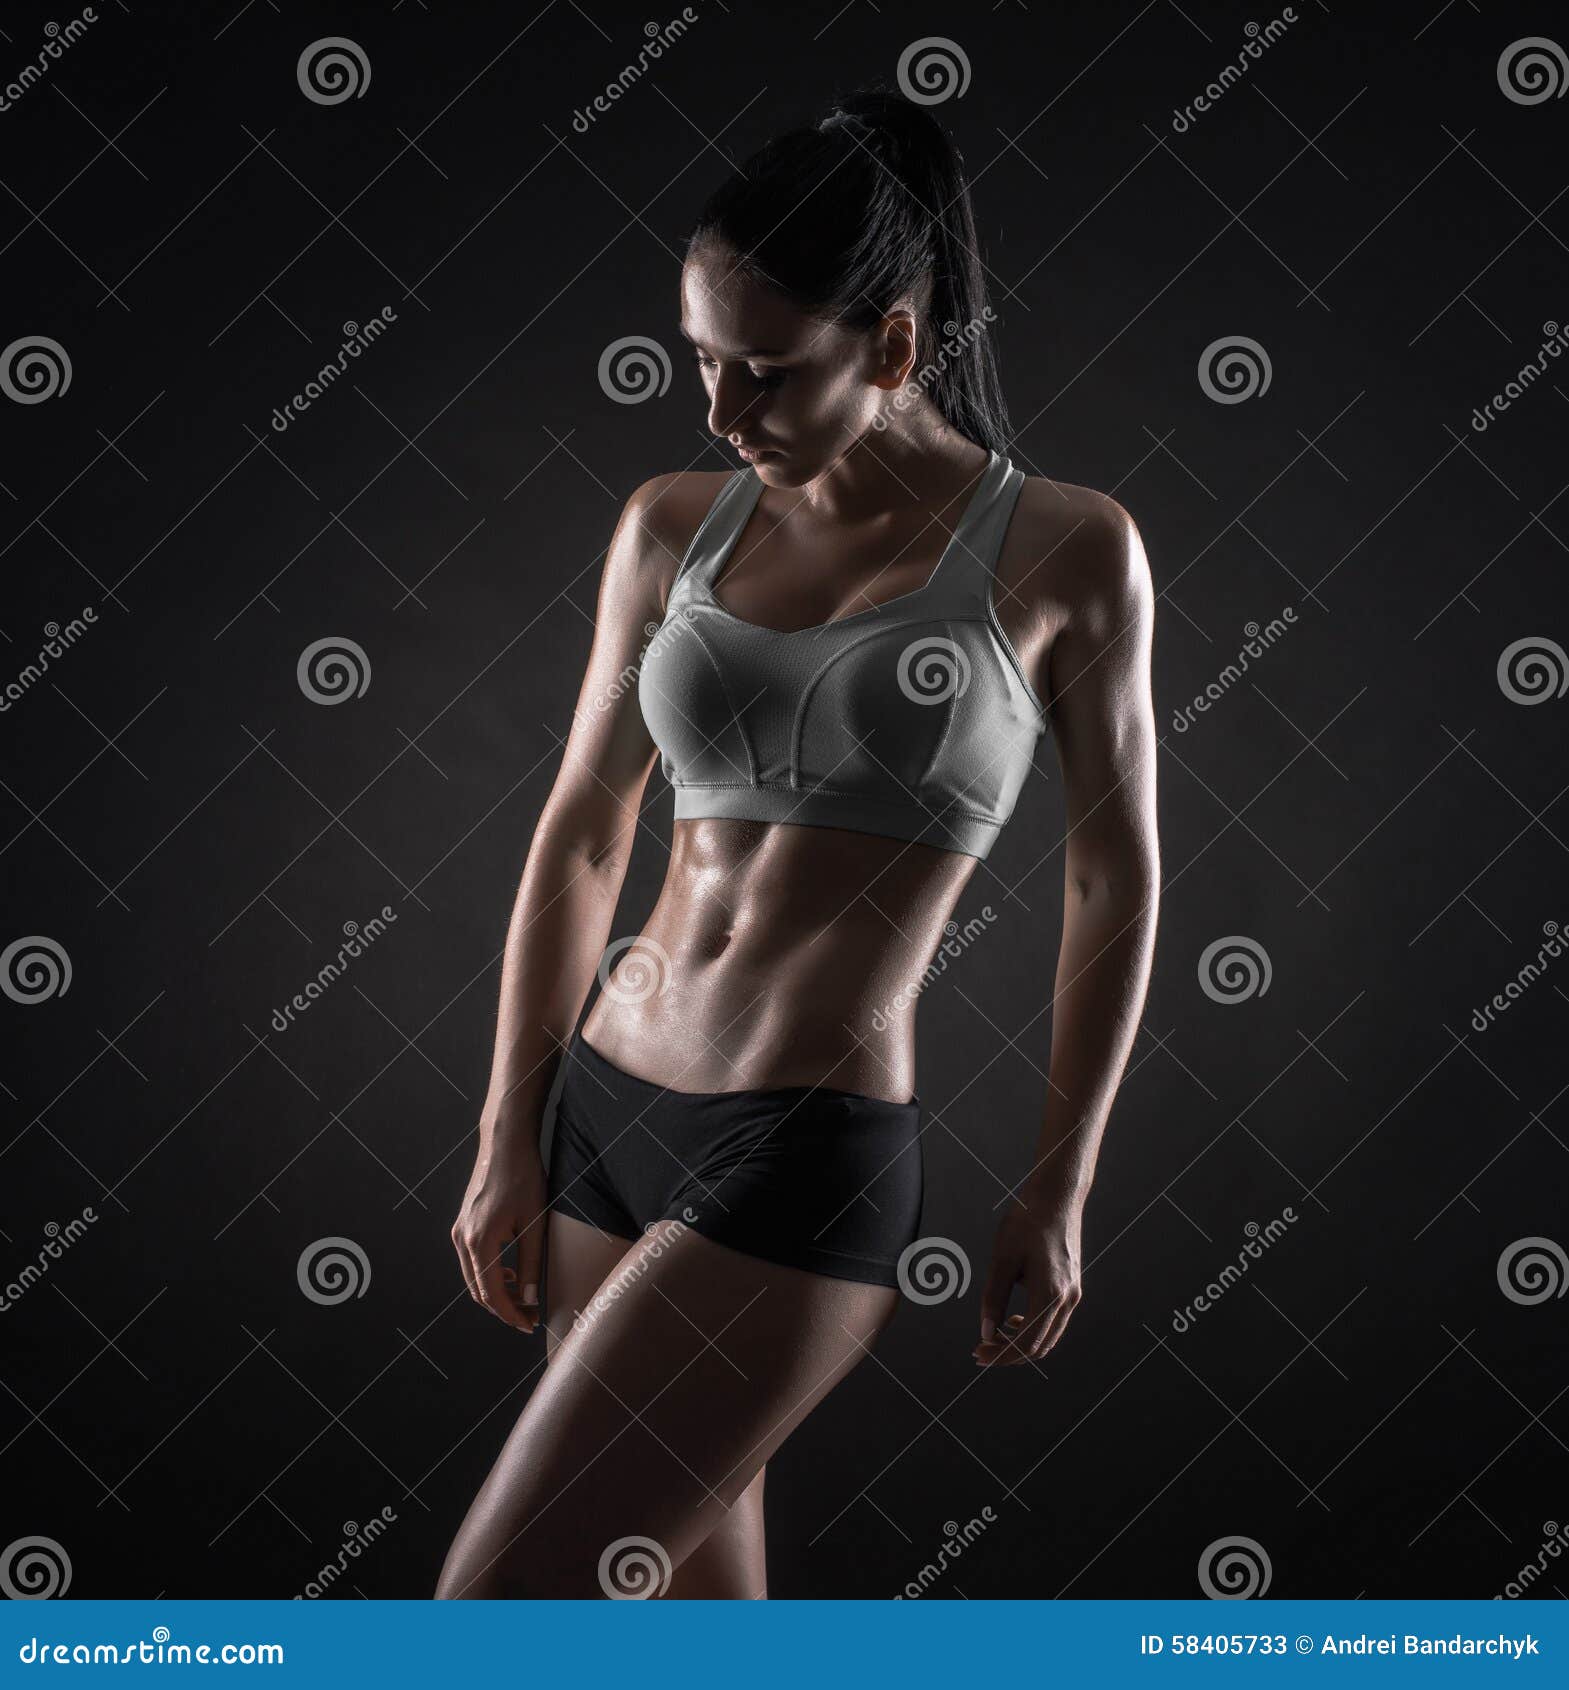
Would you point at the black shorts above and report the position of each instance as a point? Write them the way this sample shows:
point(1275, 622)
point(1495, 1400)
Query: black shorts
point(829, 1181)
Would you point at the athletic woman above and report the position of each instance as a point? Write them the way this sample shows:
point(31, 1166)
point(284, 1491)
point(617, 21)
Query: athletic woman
point(845, 652)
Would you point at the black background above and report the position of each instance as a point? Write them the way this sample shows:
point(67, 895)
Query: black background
point(1366, 804)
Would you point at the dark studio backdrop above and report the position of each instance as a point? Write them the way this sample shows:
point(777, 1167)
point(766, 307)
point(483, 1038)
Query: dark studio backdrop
point(1321, 1350)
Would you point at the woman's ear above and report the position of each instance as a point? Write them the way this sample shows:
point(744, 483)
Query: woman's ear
point(896, 343)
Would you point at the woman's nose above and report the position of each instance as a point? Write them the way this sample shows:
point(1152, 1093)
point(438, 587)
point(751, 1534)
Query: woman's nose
point(732, 404)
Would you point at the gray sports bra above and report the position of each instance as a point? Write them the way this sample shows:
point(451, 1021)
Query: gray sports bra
point(912, 719)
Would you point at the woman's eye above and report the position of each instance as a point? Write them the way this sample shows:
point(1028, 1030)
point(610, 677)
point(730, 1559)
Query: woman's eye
point(767, 376)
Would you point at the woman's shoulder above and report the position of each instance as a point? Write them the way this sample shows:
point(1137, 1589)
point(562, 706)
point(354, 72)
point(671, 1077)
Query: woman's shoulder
point(1073, 543)
point(667, 510)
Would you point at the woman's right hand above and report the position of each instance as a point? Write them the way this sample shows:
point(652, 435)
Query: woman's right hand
point(506, 1199)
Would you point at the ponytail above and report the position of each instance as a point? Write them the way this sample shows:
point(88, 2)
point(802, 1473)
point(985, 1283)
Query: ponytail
point(868, 207)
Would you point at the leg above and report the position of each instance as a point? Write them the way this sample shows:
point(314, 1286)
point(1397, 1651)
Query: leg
point(691, 1365)
point(731, 1561)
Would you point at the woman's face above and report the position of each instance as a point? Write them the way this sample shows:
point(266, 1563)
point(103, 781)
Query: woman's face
point(789, 392)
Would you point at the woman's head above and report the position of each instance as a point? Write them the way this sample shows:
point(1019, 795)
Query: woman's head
point(834, 288)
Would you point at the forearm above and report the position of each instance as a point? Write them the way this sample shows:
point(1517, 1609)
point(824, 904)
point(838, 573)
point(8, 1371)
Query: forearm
point(559, 927)
point(1103, 972)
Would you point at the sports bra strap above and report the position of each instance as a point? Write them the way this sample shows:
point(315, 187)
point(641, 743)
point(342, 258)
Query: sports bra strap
point(962, 577)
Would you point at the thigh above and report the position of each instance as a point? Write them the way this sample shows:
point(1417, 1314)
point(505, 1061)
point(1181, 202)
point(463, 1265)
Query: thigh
point(731, 1563)
point(687, 1368)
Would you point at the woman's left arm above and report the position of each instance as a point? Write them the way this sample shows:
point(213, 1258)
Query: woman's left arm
point(1098, 684)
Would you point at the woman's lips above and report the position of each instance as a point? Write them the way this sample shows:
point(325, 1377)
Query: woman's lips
point(753, 454)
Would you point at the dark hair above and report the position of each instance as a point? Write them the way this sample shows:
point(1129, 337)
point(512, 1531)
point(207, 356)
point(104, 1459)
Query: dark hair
point(863, 208)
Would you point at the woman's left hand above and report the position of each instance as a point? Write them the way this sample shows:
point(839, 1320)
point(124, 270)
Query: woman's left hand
point(1037, 1245)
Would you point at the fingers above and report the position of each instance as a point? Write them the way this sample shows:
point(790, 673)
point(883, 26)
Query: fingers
point(495, 1293)
point(531, 1261)
point(994, 1299)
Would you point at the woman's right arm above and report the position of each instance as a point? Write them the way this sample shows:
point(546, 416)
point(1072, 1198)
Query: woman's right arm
point(561, 917)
